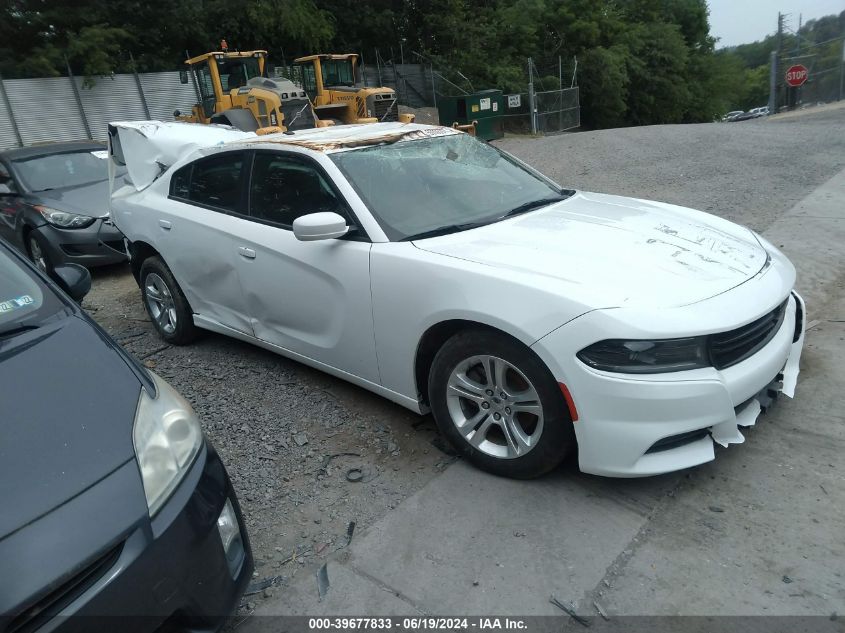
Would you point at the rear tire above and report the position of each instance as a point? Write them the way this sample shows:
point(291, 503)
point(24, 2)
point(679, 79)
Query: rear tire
point(165, 303)
point(499, 406)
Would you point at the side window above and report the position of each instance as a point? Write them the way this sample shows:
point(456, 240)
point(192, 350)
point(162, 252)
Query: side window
point(216, 181)
point(309, 80)
point(283, 189)
point(206, 86)
point(180, 182)
point(6, 179)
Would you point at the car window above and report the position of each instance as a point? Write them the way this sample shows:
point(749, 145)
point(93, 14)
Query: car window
point(24, 299)
point(284, 188)
point(216, 181)
point(6, 179)
point(68, 169)
point(413, 187)
point(181, 182)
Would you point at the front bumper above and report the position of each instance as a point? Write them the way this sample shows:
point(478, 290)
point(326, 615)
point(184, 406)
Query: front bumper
point(639, 425)
point(170, 573)
point(100, 244)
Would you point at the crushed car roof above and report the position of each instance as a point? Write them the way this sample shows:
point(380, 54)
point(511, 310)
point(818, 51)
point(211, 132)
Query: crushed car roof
point(149, 148)
point(340, 137)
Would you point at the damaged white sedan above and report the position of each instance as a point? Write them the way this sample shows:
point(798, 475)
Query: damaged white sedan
point(446, 275)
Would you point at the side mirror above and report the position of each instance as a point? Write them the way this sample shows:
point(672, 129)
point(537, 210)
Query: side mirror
point(5, 190)
point(183, 76)
point(319, 226)
point(73, 279)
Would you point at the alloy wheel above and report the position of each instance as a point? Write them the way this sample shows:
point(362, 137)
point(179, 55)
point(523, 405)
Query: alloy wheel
point(160, 303)
point(494, 406)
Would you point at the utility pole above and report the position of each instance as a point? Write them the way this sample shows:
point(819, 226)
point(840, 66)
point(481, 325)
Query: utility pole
point(531, 105)
point(799, 89)
point(842, 70)
point(774, 71)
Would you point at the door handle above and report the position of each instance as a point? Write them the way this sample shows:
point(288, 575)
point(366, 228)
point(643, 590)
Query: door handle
point(165, 224)
point(246, 252)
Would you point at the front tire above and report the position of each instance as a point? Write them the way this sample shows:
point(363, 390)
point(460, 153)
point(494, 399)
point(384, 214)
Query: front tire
point(499, 405)
point(36, 248)
point(165, 303)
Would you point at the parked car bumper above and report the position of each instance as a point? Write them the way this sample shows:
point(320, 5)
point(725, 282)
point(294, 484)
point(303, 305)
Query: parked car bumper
point(97, 245)
point(171, 571)
point(638, 425)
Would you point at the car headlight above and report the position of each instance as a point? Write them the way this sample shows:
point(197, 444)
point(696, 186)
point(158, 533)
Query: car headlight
point(167, 437)
point(63, 219)
point(647, 357)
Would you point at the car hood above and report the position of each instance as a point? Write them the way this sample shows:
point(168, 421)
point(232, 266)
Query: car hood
point(68, 407)
point(91, 199)
point(615, 252)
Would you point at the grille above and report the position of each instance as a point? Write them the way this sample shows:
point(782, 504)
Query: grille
point(36, 615)
point(676, 441)
point(386, 110)
point(730, 348)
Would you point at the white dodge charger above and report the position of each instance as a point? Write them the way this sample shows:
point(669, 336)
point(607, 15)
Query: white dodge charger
point(446, 275)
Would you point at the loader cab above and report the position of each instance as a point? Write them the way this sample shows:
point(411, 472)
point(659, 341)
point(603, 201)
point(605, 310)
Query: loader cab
point(236, 72)
point(322, 73)
point(216, 74)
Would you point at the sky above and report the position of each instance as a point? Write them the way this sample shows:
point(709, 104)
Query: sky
point(743, 21)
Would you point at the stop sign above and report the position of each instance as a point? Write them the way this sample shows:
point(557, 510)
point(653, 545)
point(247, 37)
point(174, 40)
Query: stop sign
point(796, 75)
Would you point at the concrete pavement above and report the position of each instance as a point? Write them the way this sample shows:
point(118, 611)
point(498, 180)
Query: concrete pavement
point(757, 531)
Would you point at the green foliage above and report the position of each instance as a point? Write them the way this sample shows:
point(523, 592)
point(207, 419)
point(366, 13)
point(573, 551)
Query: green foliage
point(639, 61)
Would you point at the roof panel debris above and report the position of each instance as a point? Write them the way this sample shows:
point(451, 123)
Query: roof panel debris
point(352, 136)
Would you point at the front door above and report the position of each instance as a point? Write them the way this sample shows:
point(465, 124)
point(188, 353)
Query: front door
point(312, 298)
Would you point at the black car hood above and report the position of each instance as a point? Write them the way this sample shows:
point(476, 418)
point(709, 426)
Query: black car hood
point(67, 406)
point(90, 199)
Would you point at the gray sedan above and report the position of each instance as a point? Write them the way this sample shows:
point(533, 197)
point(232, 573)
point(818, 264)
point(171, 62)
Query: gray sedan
point(54, 205)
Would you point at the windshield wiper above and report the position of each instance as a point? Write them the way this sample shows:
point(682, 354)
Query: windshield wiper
point(533, 204)
point(18, 329)
point(444, 230)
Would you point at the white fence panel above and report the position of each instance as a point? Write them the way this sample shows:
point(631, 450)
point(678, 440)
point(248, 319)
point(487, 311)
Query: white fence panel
point(45, 109)
point(114, 98)
point(8, 138)
point(165, 94)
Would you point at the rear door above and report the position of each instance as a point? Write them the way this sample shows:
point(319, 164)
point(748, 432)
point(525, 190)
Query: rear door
point(312, 298)
point(195, 230)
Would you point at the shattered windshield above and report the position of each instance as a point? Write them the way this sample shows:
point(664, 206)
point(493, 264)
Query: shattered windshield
point(440, 185)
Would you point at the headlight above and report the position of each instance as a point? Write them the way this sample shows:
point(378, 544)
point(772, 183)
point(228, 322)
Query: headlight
point(167, 438)
point(64, 219)
point(647, 357)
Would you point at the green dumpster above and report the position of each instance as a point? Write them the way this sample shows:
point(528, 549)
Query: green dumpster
point(486, 107)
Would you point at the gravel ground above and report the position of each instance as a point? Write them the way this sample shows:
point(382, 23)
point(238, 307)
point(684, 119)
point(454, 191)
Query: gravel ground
point(749, 171)
point(275, 422)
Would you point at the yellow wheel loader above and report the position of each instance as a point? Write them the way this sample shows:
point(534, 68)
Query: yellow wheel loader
point(331, 81)
point(234, 90)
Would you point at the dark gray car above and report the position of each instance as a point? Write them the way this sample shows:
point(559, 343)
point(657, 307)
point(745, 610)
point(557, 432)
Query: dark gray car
point(54, 205)
point(117, 513)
